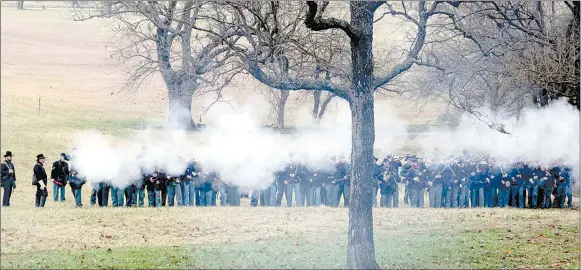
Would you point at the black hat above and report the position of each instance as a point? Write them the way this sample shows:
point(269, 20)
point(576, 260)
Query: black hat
point(40, 156)
point(8, 154)
point(385, 160)
point(64, 156)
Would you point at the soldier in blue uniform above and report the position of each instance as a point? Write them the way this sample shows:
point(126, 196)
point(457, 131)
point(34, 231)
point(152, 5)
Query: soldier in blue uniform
point(516, 185)
point(568, 185)
point(477, 182)
point(151, 184)
point(316, 180)
point(171, 183)
point(450, 183)
point(59, 176)
point(403, 172)
point(76, 182)
point(463, 175)
point(8, 175)
point(504, 190)
point(41, 180)
point(342, 179)
point(416, 186)
point(291, 178)
point(549, 183)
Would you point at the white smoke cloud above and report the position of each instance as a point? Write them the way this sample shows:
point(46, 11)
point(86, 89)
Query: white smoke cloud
point(234, 144)
point(246, 154)
point(544, 134)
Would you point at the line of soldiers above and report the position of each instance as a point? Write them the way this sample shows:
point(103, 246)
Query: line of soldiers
point(458, 182)
point(203, 188)
point(474, 182)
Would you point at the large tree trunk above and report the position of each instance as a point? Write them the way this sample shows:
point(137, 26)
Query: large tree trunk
point(361, 247)
point(180, 104)
point(280, 108)
point(575, 88)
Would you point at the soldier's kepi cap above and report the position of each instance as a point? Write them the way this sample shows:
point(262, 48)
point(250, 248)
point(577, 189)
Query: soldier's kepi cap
point(40, 156)
point(64, 156)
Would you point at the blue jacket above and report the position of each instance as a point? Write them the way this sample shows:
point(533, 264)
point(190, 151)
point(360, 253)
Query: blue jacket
point(477, 180)
point(566, 174)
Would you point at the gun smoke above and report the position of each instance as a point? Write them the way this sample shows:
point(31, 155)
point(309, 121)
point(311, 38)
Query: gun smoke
point(546, 134)
point(246, 154)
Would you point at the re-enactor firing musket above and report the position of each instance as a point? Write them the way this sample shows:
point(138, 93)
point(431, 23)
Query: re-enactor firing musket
point(388, 175)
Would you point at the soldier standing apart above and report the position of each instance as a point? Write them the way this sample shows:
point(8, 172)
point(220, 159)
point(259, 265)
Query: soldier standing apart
point(59, 175)
point(8, 178)
point(40, 178)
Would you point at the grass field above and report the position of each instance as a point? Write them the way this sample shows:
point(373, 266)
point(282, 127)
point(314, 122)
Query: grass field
point(46, 56)
point(224, 237)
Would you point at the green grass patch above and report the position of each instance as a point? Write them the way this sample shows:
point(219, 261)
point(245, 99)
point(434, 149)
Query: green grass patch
point(552, 247)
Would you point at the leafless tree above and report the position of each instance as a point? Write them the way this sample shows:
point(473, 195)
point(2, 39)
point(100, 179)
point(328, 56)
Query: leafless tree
point(277, 101)
point(271, 30)
point(492, 59)
point(162, 37)
point(319, 108)
point(20, 4)
point(539, 40)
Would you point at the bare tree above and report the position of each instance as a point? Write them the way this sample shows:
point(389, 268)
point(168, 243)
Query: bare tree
point(277, 101)
point(161, 37)
point(541, 44)
point(20, 4)
point(271, 30)
point(492, 59)
point(319, 108)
